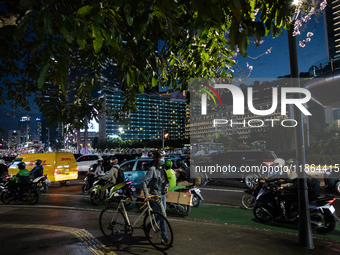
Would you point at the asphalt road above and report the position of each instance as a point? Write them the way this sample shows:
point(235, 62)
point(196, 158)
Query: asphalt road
point(227, 192)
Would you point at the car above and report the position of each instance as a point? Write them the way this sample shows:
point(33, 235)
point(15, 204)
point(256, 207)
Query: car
point(136, 169)
point(85, 161)
point(332, 181)
point(247, 165)
point(121, 159)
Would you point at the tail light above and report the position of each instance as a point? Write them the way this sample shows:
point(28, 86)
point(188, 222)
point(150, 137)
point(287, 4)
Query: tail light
point(77, 169)
point(330, 201)
point(188, 191)
point(269, 163)
point(55, 171)
point(46, 176)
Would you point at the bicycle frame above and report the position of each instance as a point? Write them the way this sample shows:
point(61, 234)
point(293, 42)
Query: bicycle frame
point(148, 210)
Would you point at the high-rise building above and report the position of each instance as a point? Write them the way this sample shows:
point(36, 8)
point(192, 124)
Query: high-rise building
point(14, 138)
point(24, 126)
point(39, 127)
point(155, 112)
point(332, 29)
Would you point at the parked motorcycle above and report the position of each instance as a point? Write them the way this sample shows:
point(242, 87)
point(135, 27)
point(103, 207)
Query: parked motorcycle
point(88, 182)
point(248, 199)
point(322, 212)
point(42, 183)
point(114, 193)
point(27, 193)
point(194, 191)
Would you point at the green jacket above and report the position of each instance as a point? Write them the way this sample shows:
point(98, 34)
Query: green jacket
point(23, 177)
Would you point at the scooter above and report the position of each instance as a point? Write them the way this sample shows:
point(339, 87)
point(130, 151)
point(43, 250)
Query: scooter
point(113, 193)
point(322, 212)
point(88, 183)
point(42, 183)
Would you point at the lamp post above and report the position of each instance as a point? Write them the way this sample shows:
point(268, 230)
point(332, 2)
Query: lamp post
point(305, 227)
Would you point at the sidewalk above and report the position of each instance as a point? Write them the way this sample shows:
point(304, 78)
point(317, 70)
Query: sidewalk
point(191, 235)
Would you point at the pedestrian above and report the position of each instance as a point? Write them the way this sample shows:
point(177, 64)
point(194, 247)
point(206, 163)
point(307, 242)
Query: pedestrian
point(157, 180)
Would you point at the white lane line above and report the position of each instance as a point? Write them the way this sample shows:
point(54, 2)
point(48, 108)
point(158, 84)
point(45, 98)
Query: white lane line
point(226, 190)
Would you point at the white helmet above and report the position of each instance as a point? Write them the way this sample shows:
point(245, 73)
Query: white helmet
point(2, 161)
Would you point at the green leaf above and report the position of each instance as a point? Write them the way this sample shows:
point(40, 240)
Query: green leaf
point(21, 28)
point(82, 35)
point(243, 43)
point(69, 36)
point(98, 39)
point(111, 40)
point(154, 82)
point(42, 76)
point(85, 10)
point(128, 78)
point(48, 25)
point(141, 89)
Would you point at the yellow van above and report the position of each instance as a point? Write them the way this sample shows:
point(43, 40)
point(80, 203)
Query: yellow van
point(59, 166)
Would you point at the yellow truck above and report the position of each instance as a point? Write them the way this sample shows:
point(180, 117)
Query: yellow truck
point(59, 166)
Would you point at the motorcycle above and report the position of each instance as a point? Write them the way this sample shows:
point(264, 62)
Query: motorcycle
point(88, 183)
point(248, 199)
point(194, 191)
point(2, 183)
point(42, 183)
point(27, 193)
point(113, 194)
point(322, 212)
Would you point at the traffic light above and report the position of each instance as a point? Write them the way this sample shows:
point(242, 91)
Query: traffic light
point(166, 134)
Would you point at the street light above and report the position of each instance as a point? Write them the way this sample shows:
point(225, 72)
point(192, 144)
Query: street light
point(305, 226)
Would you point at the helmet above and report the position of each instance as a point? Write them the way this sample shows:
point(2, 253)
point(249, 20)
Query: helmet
point(158, 154)
point(113, 160)
point(100, 162)
point(22, 165)
point(38, 162)
point(168, 164)
point(2, 161)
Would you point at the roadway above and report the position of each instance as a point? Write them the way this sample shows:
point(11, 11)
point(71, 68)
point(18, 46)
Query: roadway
point(227, 192)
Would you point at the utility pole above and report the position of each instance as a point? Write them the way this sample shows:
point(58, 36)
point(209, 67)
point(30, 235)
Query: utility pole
point(305, 226)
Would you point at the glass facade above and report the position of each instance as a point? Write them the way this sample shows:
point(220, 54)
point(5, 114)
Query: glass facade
point(154, 114)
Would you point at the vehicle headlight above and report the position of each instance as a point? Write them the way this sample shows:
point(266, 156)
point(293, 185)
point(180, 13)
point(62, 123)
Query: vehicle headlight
point(328, 173)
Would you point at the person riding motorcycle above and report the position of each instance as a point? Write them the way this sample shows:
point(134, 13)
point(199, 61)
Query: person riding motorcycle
point(99, 169)
point(22, 178)
point(3, 168)
point(171, 174)
point(38, 170)
point(183, 173)
point(111, 177)
point(156, 178)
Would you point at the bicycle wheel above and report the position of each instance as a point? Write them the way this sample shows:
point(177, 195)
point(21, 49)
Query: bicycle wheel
point(152, 230)
point(113, 224)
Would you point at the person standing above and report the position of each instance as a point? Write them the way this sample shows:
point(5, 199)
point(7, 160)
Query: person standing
point(157, 180)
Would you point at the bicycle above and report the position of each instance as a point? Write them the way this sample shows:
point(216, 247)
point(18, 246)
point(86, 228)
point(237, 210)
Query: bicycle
point(115, 224)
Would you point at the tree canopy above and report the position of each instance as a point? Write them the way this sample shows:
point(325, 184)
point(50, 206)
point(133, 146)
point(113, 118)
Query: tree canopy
point(41, 41)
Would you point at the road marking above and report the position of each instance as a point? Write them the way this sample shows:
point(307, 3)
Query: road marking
point(89, 241)
point(226, 190)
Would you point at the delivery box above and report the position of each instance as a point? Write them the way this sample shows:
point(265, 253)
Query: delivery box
point(176, 197)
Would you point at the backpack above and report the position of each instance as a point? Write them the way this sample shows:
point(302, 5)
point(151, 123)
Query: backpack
point(120, 176)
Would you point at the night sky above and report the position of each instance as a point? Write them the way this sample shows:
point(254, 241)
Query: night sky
point(266, 67)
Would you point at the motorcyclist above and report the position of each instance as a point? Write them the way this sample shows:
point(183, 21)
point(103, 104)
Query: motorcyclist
point(22, 178)
point(111, 178)
point(171, 174)
point(99, 170)
point(157, 180)
point(183, 173)
point(3, 168)
point(38, 170)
